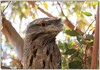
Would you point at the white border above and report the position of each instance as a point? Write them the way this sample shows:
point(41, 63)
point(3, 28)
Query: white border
point(46, 0)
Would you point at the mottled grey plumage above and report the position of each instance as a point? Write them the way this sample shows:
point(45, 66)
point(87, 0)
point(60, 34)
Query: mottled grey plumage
point(40, 50)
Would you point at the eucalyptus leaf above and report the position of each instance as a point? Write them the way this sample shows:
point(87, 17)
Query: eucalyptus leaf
point(88, 37)
point(63, 46)
point(75, 65)
point(74, 55)
point(70, 51)
point(71, 32)
point(79, 38)
point(60, 44)
point(87, 13)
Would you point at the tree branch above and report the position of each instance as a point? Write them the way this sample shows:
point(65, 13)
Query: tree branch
point(33, 4)
point(49, 15)
point(13, 37)
point(94, 61)
point(6, 6)
point(61, 9)
point(89, 26)
point(71, 26)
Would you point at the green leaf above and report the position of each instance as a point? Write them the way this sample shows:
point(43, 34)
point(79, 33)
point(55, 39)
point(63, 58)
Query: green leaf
point(63, 46)
point(70, 51)
point(77, 59)
point(75, 65)
point(79, 38)
point(70, 44)
point(66, 46)
point(3, 7)
point(22, 15)
point(90, 42)
point(87, 13)
point(60, 44)
point(89, 37)
point(74, 55)
point(64, 63)
point(95, 3)
point(71, 32)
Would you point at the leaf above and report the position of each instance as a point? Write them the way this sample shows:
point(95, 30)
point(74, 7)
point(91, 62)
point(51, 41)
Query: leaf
point(70, 51)
point(89, 41)
point(35, 7)
point(64, 63)
point(71, 32)
point(12, 53)
point(3, 7)
point(60, 45)
point(33, 15)
point(67, 36)
point(87, 13)
point(82, 23)
point(27, 11)
point(22, 15)
point(75, 55)
point(89, 37)
point(77, 59)
point(95, 4)
point(70, 44)
point(66, 46)
point(79, 38)
point(45, 5)
point(75, 65)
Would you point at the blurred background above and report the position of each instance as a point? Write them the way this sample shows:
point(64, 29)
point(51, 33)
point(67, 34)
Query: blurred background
point(76, 52)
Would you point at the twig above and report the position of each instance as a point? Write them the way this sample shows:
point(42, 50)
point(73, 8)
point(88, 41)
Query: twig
point(68, 23)
point(6, 6)
point(89, 26)
point(71, 26)
point(48, 14)
point(61, 9)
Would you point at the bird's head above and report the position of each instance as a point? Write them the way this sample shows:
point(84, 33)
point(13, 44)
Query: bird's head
point(45, 26)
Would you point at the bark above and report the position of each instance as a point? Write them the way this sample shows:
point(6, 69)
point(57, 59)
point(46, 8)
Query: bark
point(71, 26)
point(94, 61)
point(13, 37)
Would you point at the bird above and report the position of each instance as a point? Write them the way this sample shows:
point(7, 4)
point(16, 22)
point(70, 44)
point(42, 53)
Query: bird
point(40, 48)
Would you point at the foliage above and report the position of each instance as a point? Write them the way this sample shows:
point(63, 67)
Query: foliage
point(75, 53)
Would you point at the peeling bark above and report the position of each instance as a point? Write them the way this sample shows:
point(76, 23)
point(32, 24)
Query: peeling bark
point(13, 37)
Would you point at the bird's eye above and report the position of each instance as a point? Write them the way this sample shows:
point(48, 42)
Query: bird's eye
point(43, 24)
